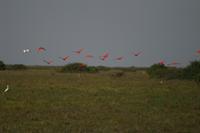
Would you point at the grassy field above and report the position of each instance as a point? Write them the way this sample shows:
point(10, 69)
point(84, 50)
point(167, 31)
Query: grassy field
point(46, 101)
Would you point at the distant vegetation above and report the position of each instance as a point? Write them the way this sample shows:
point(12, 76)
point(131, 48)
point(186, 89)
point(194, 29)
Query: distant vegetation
point(191, 72)
point(2, 65)
point(79, 67)
point(16, 67)
point(163, 72)
point(103, 68)
point(126, 69)
point(159, 71)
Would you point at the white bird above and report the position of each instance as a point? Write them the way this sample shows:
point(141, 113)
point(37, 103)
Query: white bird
point(7, 88)
point(26, 50)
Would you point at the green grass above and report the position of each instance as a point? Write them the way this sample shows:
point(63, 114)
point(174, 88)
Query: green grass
point(42, 101)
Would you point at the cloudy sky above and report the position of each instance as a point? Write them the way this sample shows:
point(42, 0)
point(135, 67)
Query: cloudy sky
point(166, 30)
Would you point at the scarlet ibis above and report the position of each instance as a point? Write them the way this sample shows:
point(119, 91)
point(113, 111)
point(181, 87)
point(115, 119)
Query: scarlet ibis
point(137, 54)
point(162, 62)
point(120, 58)
point(198, 51)
point(79, 51)
point(104, 56)
point(41, 49)
point(65, 58)
point(48, 62)
point(173, 64)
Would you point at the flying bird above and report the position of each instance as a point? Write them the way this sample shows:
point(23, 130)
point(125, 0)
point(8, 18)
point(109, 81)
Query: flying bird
point(78, 51)
point(119, 58)
point(48, 62)
point(137, 53)
point(41, 49)
point(161, 62)
point(173, 64)
point(65, 58)
point(104, 56)
point(198, 51)
point(26, 50)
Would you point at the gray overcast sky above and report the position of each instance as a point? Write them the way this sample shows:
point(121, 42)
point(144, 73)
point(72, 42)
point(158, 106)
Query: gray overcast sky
point(163, 29)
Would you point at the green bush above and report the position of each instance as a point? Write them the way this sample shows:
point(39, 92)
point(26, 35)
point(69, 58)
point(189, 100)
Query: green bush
point(173, 73)
point(192, 71)
point(157, 71)
point(163, 72)
point(2, 65)
point(74, 67)
point(79, 67)
point(92, 69)
point(197, 78)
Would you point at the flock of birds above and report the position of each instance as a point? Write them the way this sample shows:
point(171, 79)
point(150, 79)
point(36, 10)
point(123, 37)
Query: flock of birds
point(102, 57)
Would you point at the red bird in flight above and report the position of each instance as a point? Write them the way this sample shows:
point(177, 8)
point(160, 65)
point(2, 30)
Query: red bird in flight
point(104, 56)
point(162, 62)
point(65, 58)
point(48, 62)
point(41, 49)
point(137, 54)
point(120, 58)
point(198, 51)
point(78, 51)
point(173, 64)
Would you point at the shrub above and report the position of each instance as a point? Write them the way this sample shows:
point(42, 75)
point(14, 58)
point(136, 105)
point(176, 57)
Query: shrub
point(92, 69)
point(173, 73)
point(192, 71)
point(74, 67)
point(161, 71)
point(157, 71)
point(197, 78)
point(2, 65)
point(79, 67)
